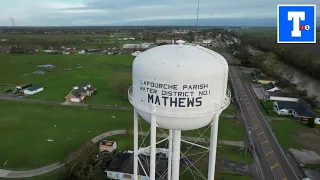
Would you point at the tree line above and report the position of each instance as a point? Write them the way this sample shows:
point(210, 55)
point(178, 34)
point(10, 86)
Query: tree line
point(304, 57)
point(269, 63)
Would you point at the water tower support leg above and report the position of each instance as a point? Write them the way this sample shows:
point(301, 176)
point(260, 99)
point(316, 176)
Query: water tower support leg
point(176, 143)
point(153, 139)
point(170, 155)
point(213, 147)
point(135, 144)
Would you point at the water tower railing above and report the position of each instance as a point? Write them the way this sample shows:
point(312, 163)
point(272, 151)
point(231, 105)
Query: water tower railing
point(130, 95)
point(147, 107)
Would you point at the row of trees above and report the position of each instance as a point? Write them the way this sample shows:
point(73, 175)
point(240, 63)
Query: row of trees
point(269, 63)
point(43, 42)
point(304, 57)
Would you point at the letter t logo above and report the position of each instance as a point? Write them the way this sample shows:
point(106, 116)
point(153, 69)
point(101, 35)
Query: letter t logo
point(296, 17)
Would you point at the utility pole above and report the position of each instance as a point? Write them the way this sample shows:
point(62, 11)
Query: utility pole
point(12, 20)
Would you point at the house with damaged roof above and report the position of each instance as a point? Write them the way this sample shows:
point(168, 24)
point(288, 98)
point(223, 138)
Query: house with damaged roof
point(80, 92)
point(272, 92)
point(299, 110)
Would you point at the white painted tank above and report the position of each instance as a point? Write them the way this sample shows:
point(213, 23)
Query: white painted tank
point(182, 85)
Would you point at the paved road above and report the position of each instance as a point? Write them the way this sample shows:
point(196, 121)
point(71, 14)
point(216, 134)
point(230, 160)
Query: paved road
point(46, 169)
point(272, 161)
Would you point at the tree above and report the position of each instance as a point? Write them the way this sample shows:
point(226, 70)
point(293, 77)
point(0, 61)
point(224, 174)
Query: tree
point(17, 50)
point(82, 164)
point(312, 100)
point(311, 123)
point(120, 82)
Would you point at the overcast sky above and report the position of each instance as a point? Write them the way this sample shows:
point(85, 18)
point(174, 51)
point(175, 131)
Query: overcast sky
point(104, 12)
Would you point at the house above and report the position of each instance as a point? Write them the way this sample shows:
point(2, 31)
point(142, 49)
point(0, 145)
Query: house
point(207, 41)
point(80, 92)
point(32, 90)
point(181, 31)
point(131, 46)
point(270, 87)
point(278, 95)
point(264, 79)
point(296, 109)
point(165, 41)
point(82, 52)
point(261, 78)
point(120, 168)
point(136, 53)
point(65, 52)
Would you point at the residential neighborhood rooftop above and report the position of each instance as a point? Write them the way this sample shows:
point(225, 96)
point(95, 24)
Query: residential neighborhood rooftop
point(124, 163)
point(269, 86)
point(34, 87)
point(300, 108)
point(282, 94)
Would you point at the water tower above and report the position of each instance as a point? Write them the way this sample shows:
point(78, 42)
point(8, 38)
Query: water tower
point(178, 87)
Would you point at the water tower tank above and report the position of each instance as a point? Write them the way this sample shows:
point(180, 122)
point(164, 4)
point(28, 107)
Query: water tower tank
point(182, 85)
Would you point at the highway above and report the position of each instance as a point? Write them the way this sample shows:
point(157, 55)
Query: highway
point(272, 162)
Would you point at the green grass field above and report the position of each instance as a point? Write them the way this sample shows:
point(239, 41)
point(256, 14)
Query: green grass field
point(267, 108)
point(96, 69)
point(235, 176)
point(25, 128)
point(284, 131)
point(69, 40)
point(57, 82)
point(58, 173)
point(265, 31)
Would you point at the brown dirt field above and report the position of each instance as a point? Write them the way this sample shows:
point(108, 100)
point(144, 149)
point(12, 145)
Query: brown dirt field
point(308, 138)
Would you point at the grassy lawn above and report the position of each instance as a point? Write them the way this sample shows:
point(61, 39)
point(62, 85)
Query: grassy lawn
point(25, 128)
point(284, 131)
point(226, 176)
point(31, 124)
point(54, 175)
point(231, 110)
point(124, 142)
point(313, 166)
point(267, 107)
point(96, 69)
point(229, 129)
point(4, 88)
point(234, 153)
point(69, 40)
point(235, 176)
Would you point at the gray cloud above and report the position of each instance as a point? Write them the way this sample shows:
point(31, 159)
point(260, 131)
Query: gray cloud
point(115, 11)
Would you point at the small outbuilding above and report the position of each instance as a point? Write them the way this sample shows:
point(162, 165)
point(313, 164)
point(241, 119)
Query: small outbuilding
point(270, 87)
point(281, 96)
point(32, 90)
point(109, 146)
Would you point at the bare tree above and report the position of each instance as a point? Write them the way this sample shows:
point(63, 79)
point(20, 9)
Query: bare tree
point(120, 82)
point(81, 165)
